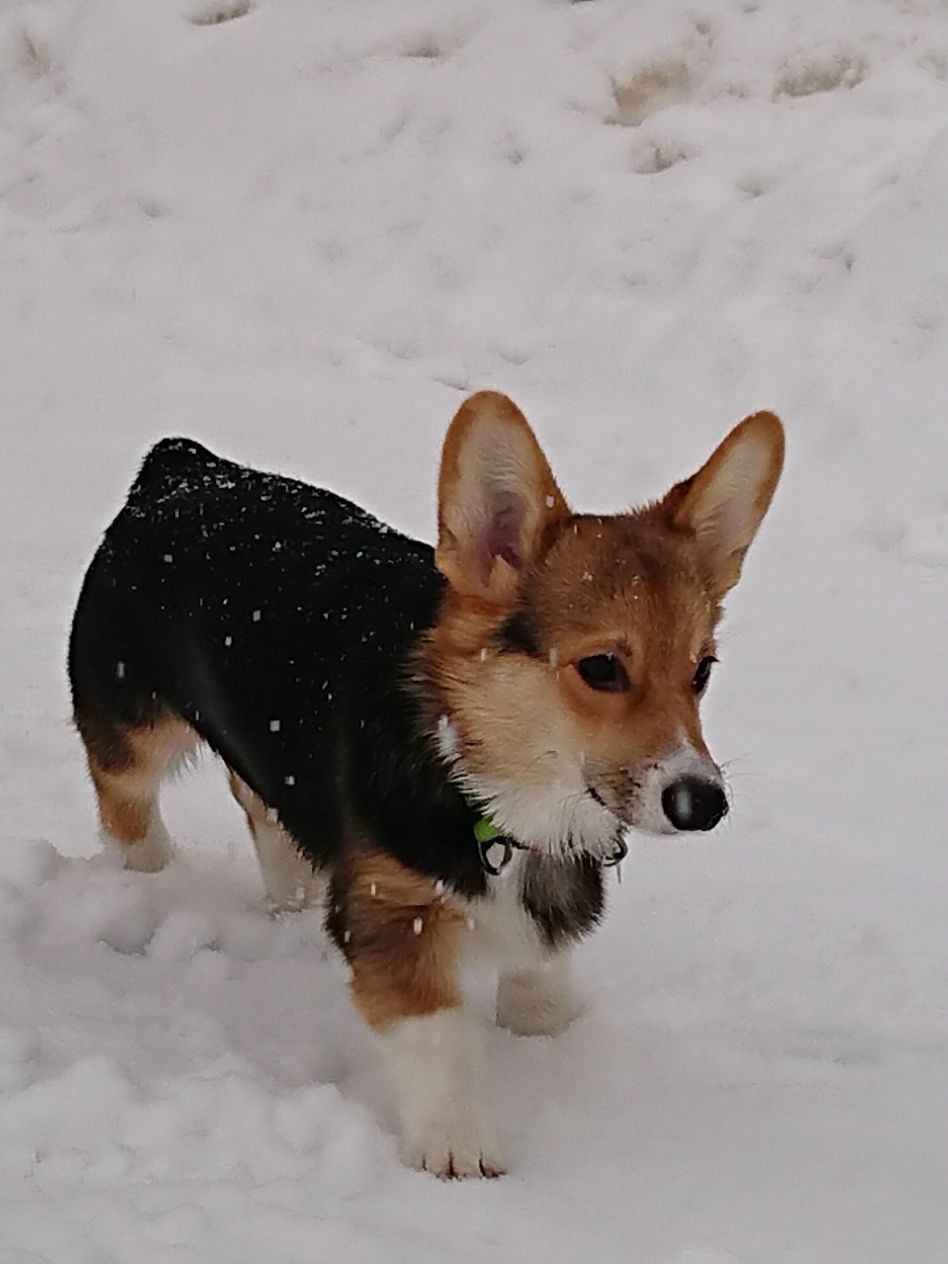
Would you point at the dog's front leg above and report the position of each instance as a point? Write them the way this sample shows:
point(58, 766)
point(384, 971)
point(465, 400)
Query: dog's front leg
point(401, 939)
point(435, 1062)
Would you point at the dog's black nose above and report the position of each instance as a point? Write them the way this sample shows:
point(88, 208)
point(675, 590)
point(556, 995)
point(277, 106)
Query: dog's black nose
point(691, 803)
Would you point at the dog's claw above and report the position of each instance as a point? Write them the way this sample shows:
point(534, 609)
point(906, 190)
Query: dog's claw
point(460, 1167)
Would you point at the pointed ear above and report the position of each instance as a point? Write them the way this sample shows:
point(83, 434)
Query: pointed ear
point(497, 497)
point(724, 503)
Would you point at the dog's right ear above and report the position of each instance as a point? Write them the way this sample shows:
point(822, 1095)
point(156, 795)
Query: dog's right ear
point(497, 498)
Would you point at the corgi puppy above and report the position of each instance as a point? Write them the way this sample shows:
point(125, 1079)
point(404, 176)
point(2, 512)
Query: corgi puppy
point(443, 746)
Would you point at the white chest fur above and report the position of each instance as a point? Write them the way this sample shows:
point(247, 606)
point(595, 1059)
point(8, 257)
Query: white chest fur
point(499, 926)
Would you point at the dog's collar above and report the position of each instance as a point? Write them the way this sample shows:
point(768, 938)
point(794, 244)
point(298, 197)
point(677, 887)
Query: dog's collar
point(488, 835)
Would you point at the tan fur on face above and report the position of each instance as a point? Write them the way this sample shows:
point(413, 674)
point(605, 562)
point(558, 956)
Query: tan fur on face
point(645, 587)
point(400, 936)
point(622, 585)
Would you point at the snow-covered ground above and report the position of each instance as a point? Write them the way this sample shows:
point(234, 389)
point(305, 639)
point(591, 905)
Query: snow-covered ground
point(299, 230)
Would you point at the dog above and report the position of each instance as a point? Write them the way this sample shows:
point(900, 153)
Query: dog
point(445, 746)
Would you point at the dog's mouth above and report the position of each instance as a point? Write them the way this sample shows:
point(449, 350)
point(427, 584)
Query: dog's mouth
point(597, 798)
point(619, 847)
point(623, 820)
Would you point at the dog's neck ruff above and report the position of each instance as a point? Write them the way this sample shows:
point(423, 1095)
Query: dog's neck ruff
point(489, 836)
point(497, 843)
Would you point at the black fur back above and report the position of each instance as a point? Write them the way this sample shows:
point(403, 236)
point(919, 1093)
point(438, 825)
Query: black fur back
point(278, 619)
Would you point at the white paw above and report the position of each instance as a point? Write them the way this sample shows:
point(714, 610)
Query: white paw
point(535, 1003)
point(149, 855)
point(435, 1061)
point(454, 1148)
point(308, 892)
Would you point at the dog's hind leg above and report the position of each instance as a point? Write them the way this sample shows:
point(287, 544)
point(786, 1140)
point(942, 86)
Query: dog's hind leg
point(290, 880)
point(127, 765)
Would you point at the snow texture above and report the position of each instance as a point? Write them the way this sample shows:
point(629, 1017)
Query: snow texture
point(300, 230)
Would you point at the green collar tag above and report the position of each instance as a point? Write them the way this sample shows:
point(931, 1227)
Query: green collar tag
point(485, 831)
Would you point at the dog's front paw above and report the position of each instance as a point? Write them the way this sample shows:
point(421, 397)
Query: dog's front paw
point(149, 854)
point(454, 1150)
point(435, 1062)
point(536, 1002)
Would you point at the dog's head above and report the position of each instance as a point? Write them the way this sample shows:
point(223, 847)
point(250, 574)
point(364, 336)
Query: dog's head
point(572, 650)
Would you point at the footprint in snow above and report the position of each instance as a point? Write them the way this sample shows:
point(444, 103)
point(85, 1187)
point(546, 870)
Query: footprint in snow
point(216, 12)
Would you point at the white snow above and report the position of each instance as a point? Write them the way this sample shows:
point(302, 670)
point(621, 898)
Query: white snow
point(300, 230)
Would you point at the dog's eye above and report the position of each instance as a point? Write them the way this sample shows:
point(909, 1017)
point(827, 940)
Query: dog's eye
point(702, 672)
point(603, 672)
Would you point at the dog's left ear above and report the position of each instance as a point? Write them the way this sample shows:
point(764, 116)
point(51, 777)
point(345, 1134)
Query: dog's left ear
point(497, 499)
point(724, 503)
